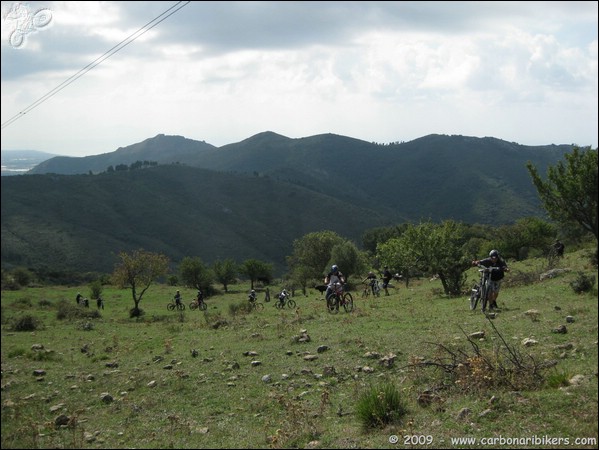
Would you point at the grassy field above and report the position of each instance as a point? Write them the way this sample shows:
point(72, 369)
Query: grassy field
point(294, 378)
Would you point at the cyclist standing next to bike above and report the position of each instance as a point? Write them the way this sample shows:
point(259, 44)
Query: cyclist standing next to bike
point(334, 276)
point(178, 298)
point(371, 278)
point(496, 275)
point(558, 247)
point(386, 279)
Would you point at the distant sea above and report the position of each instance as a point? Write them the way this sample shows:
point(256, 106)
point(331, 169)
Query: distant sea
point(18, 162)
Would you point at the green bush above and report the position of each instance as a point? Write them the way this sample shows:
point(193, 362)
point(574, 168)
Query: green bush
point(583, 283)
point(25, 323)
point(380, 406)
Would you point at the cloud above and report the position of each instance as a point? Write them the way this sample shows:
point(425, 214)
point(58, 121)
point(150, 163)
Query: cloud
point(378, 71)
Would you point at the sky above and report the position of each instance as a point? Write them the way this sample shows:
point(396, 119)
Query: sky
point(86, 78)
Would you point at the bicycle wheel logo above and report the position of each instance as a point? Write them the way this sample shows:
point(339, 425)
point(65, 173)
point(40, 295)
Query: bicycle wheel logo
point(21, 22)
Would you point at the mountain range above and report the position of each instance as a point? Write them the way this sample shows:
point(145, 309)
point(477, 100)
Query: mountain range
point(253, 198)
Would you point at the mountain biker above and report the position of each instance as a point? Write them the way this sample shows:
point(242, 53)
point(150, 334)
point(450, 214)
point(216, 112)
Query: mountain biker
point(252, 296)
point(282, 296)
point(334, 276)
point(371, 281)
point(386, 279)
point(178, 298)
point(494, 260)
point(559, 247)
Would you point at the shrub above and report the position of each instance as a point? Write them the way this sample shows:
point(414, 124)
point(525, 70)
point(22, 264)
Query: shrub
point(25, 323)
point(583, 283)
point(380, 406)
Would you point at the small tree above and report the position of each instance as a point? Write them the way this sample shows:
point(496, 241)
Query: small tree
point(225, 272)
point(570, 193)
point(255, 269)
point(195, 274)
point(137, 271)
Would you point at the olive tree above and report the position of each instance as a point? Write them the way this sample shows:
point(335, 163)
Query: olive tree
point(195, 274)
point(137, 271)
point(569, 193)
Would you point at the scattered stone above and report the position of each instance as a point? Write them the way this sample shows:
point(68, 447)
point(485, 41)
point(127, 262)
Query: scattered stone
point(194, 353)
point(37, 347)
point(256, 363)
point(62, 421)
point(463, 413)
point(310, 357)
point(39, 373)
point(569, 319)
point(372, 355)
point(486, 412)
point(106, 397)
point(322, 348)
point(477, 335)
point(266, 379)
point(560, 330)
point(529, 342)
point(152, 384)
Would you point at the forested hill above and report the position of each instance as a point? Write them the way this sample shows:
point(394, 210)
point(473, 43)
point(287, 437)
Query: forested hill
point(251, 199)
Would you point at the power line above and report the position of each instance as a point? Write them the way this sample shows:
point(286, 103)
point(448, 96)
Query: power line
point(97, 61)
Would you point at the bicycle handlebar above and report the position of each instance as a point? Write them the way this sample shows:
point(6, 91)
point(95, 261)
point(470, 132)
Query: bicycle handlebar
point(482, 268)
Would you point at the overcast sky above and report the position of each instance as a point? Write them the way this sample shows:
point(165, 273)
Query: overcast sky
point(222, 72)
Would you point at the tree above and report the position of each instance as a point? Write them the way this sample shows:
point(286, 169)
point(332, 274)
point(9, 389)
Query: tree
point(138, 271)
point(225, 272)
point(430, 248)
point(312, 253)
point(255, 269)
point(569, 195)
point(349, 259)
point(195, 274)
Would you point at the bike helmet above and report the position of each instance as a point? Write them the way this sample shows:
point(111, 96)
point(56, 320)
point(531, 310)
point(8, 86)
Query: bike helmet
point(493, 253)
point(334, 268)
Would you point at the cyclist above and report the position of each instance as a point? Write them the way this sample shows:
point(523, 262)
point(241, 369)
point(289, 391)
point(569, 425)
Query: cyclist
point(496, 275)
point(371, 278)
point(252, 296)
point(283, 296)
point(334, 276)
point(178, 298)
point(558, 247)
point(386, 279)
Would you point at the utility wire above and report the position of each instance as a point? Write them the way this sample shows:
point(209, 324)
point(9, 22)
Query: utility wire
point(96, 62)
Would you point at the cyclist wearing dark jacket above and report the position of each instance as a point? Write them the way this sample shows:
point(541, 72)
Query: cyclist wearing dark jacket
point(496, 275)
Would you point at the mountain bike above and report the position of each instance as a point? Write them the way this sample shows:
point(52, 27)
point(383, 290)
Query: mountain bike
point(285, 299)
point(339, 298)
point(373, 287)
point(198, 303)
point(256, 305)
point(172, 305)
point(480, 291)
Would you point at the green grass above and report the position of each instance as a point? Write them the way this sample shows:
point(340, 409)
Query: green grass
point(279, 397)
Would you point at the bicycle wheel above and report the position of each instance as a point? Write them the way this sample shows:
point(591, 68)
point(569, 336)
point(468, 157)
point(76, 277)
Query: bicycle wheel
point(348, 302)
point(170, 307)
point(258, 306)
point(203, 306)
point(484, 296)
point(332, 304)
point(291, 303)
point(279, 304)
point(474, 297)
point(193, 305)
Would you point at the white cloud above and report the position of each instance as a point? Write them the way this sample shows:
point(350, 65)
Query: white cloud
point(378, 71)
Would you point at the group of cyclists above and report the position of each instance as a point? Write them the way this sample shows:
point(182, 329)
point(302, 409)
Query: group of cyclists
point(335, 276)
